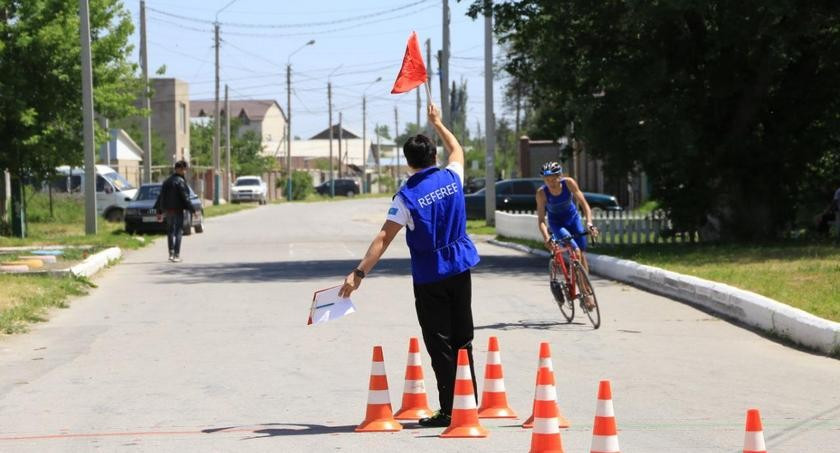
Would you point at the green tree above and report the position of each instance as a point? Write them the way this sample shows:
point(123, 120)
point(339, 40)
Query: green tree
point(382, 131)
point(245, 148)
point(40, 81)
point(727, 106)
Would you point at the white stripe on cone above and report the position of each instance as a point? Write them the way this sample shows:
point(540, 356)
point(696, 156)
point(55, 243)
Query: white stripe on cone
point(463, 373)
point(378, 397)
point(464, 402)
point(546, 363)
point(546, 393)
point(494, 358)
point(604, 444)
point(754, 441)
point(494, 385)
point(377, 369)
point(414, 387)
point(604, 409)
point(413, 359)
point(546, 426)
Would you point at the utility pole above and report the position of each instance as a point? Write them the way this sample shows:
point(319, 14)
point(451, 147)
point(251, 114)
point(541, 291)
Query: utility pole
point(428, 77)
point(419, 128)
point(515, 171)
point(364, 143)
point(87, 113)
point(147, 101)
point(329, 108)
point(340, 153)
point(396, 146)
point(227, 145)
point(106, 147)
point(489, 119)
point(217, 126)
point(378, 157)
point(444, 68)
point(289, 132)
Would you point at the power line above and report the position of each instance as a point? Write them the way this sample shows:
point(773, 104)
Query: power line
point(322, 32)
point(298, 25)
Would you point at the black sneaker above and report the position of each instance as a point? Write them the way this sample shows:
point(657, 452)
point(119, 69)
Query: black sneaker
point(438, 420)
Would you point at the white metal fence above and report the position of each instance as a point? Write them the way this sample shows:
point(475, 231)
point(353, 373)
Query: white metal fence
point(616, 228)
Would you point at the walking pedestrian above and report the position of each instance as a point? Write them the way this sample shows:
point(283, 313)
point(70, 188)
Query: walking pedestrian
point(173, 200)
point(431, 206)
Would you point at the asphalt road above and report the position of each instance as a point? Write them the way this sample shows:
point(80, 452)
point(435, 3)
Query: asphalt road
point(213, 354)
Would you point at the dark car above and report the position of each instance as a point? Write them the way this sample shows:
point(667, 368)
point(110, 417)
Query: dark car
point(519, 195)
point(345, 187)
point(140, 215)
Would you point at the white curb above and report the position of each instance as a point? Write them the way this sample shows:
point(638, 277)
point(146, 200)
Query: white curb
point(96, 262)
point(743, 306)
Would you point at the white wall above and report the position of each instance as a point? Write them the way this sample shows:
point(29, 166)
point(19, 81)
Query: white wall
point(521, 226)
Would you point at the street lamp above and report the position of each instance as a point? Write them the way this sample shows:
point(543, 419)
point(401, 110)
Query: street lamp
point(364, 133)
point(289, 119)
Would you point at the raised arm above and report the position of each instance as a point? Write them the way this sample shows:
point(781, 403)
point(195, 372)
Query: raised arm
point(450, 143)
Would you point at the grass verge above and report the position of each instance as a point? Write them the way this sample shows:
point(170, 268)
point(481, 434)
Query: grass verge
point(479, 227)
point(25, 299)
point(229, 208)
point(316, 198)
point(803, 275)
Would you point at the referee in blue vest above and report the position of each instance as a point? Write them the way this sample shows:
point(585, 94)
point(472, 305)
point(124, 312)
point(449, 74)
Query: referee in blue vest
point(431, 206)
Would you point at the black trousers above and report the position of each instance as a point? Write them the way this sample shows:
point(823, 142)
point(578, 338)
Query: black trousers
point(444, 310)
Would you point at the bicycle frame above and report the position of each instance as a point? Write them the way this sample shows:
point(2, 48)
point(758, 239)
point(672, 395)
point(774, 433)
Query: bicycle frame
point(573, 257)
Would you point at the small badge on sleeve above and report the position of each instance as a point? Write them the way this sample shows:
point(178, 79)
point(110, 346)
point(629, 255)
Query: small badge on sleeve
point(393, 211)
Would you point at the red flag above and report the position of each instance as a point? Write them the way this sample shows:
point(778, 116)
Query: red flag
point(413, 71)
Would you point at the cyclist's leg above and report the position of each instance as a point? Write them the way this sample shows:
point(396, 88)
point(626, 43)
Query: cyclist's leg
point(575, 227)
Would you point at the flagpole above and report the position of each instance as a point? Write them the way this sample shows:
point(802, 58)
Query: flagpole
point(428, 93)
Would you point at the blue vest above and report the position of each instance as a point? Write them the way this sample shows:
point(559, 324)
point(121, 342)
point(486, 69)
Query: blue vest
point(439, 244)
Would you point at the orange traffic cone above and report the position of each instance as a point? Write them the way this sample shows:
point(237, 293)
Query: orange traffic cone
point(545, 361)
point(546, 435)
point(493, 397)
point(464, 412)
point(415, 405)
point(604, 432)
point(754, 436)
point(378, 416)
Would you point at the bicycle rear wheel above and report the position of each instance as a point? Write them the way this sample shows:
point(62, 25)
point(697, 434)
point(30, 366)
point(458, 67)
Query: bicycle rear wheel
point(560, 291)
point(584, 291)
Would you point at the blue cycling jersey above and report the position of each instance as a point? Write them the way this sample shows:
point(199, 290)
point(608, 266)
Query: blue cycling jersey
point(563, 214)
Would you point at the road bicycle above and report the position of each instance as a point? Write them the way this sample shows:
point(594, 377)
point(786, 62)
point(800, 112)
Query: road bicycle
point(569, 281)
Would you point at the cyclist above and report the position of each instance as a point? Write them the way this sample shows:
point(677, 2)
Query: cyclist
point(557, 197)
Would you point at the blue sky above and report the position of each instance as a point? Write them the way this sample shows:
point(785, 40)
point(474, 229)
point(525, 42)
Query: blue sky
point(253, 56)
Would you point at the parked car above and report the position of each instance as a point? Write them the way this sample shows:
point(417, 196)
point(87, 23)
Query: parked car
point(112, 189)
point(519, 195)
point(140, 215)
point(345, 187)
point(248, 188)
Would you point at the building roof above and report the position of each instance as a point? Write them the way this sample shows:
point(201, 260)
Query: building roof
point(325, 134)
point(255, 109)
point(122, 147)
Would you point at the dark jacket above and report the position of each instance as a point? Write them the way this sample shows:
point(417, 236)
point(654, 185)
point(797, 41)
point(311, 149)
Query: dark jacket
point(174, 195)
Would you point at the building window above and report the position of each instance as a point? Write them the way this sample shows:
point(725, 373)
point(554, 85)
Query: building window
point(182, 116)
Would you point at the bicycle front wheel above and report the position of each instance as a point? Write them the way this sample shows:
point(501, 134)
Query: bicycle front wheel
point(585, 291)
point(560, 291)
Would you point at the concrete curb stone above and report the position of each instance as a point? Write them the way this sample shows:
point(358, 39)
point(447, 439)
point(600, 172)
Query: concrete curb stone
point(749, 308)
point(96, 262)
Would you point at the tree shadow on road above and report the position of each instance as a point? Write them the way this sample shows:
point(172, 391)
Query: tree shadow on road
point(282, 429)
point(300, 271)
